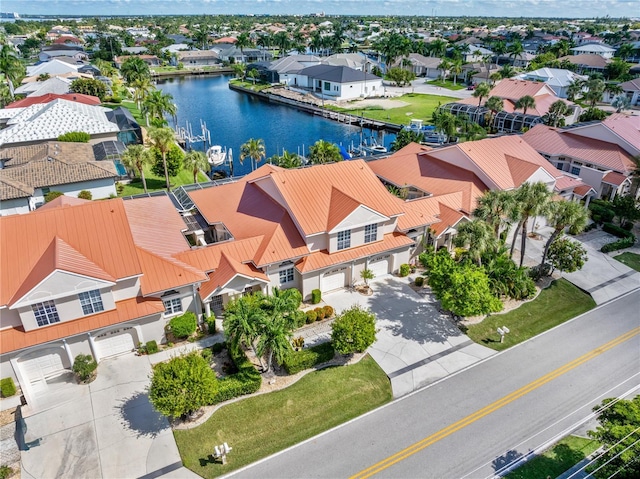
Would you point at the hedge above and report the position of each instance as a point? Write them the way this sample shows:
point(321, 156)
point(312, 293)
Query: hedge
point(405, 269)
point(601, 213)
point(246, 381)
point(151, 347)
point(620, 244)
point(183, 326)
point(7, 387)
point(316, 296)
point(312, 316)
point(616, 230)
point(297, 361)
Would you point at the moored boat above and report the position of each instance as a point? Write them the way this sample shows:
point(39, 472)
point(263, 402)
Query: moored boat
point(216, 155)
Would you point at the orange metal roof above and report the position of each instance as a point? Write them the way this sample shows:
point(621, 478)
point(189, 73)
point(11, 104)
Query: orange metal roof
point(625, 126)
point(229, 268)
point(615, 178)
point(77, 97)
point(567, 182)
point(322, 259)
point(583, 190)
point(62, 201)
point(13, 339)
point(556, 142)
point(341, 205)
point(97, 231)
point(163, 273)
point(208, 258)
point(427, 211)
point(512, 89)
point(448, 218)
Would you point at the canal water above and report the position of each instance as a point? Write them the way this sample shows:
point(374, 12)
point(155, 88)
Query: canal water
point(232, 118)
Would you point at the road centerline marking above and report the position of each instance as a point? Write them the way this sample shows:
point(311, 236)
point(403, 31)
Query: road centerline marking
point(494, 406)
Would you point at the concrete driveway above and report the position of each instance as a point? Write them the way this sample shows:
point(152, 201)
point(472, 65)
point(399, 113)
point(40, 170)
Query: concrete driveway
point(416, 344)
point(106, 429)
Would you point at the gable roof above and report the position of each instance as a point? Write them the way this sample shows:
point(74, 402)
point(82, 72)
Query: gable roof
point(449, 217)
point(626, 127)
point(337, 74)
point(52, 86)
point(513, 90)
point(63, 201)
point(32, 100)
point(587, 60)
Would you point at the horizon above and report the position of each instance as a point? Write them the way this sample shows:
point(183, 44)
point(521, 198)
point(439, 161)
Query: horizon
point(440, 8)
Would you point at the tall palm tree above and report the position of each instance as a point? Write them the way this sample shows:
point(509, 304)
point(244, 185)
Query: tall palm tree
point(481, 91)
point(141, 88)
point(134, 68)
point(156, 105)
point(574, 89)
point(557, 111)
point(514, 50)
point(242, 319)
point(499, 48)
point(494, 104)
point(447, 123)
point(162, 139)
point(196, 161)
point(438, 48)
point(478, 237)
point(560, 215)
point(525, 103)
point(254, 150)
point(595, 88)
point(444, 66)
point(11, 66)
point(495, 208)
point(456, 69)
point(243, 41)
point(532, 200)
point(135, 158)
point(274, 340)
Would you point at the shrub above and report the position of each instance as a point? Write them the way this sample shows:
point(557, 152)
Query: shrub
point(628, 226)
point(151, 347)
point(620, 244)
point(311, 316)
point(601, 212)
point(419, 281)
point(52, 195)
point(299, 318)
point(405, 269)
point(246, 381)
point(218, 347)
point(316, 296)
point(83, 366)
point(7, 387)
point(211, 324)
point(297, 343)
point(617, 231)
point(119, 187)
point(85, 195)
point(328, 311)
point(5, 472)
point(75, 137)
point(297, 361)
point(184, 325)
point(354, 330)
point(319, 314)
point(206, 354)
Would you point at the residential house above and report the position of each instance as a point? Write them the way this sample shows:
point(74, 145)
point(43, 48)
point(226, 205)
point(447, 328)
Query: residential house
point(57, 85)
point(29, 173)
point(151, 60)
point(284, 69)
point(587, 63)
point(600, 49)
point(357, 61)
point(631, 89)
point(77, 97)
point(557, 79)
point(428, 67)
point(52, 68)
point(196, 58)
point(337, 82)
point(230, 53)
point(54, 51)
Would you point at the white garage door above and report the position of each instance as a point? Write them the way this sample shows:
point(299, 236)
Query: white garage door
point(334, 279)
point(115, 342)
point(37, 369)
point(379, 265)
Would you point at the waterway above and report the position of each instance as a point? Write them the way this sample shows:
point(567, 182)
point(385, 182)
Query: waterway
point(233, 118)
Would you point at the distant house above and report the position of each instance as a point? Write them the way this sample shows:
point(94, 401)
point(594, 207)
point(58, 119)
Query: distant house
point(631, 89)
point(197, 58)
point(78, 97)
point(54, 86)
point(151, 60)
point(230, 53)
point(53, 51)
point(29, 173)
point(587, 63)
point(52, 68)
point(338, 83)
point(557, 79)
point(427, 67)
point(600, 49)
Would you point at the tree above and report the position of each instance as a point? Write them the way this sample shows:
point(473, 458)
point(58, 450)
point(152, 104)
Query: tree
point(134, 68)
point(525, 103)
point(400, 76)
point(626, 209)
point(563, 214)
point(515, 49)
point(162, 139)
point(619, 420)
point(595, 88)
point(286, 160)
point(253, 74)
point(620, 102)
point(495, 208)
point(617, 69)
point(89, 86)
point(254, 150)
point(404, 137)
point(447, 123)
point(354, 330)
point(469, 293)
point(196, 161)
point(323, 151)
point(243, 41)
point(242, 319)
point(567, 255)
point(141, 89)
point(556, 114)
point(182, 385)
point(367, 275)
point(482, 90)
point(574, 89)
point(531, 201)
point(135, 158)
point(478, 237)
point(11, 66)
point(277, 324)
point(507, 71)
point(456, 69)
point(239, 70)
point(156, 105)
point(494, 104)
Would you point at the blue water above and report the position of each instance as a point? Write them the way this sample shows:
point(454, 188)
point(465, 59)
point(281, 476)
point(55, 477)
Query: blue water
point(233, 118)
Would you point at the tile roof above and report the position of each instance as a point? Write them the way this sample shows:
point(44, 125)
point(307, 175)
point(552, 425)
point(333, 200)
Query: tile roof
point(11, 189)
point(52, 164)
point(583, 190)
point(97, 231)
point(78, 97)
point(614, 178)
point(587, 60)
point(631, 85)
point(14, 339)
point(556, 142)
point(47, 121)
point(322, 259)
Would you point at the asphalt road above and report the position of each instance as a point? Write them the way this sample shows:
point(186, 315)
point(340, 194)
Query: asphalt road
point(474, 423)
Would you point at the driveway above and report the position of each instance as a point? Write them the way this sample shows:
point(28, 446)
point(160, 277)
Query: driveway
point(416, 344)
point(106, 429)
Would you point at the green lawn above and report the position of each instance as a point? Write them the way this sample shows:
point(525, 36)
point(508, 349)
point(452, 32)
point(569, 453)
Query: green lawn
point(448, 84)
point(560, 458)
point(156, 183)
point(259, 426)
point(632, 260)
point(419, 106)
point(556, 304)
point(250, 85)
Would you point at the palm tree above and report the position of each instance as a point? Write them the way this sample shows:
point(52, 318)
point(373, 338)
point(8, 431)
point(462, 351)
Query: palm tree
point(444, 66)
point(253, 149)
point(134, 68)
point(156, 105)
point(141, 88)
point(531, 200)
point(456, 69)
point(196, 161)
point(287, 160)
point(11, 66)
point(620, 102)
point(494, 104)
point(242, 320)
point(274, 339)
point(323, 151)
point(253, 74)
point(560, 215)
point(574, 89)
point(499, 48)
point(447, 123)
point(478, 237)
point(557, 111)
point(438, 48)
point(239, 70)
point(494, 207)
point(135, 158)
point(243, 41)
point(515, 49)
point(525, 103)
point(106, 68)
point(481, 91)
point(595, 88)
point(162, 139)
point(201, 36)
point(507, 71)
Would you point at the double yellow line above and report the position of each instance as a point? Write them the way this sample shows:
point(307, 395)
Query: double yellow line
point(464, 422)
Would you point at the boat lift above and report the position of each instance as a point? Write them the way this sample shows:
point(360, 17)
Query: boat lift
point(185, 133)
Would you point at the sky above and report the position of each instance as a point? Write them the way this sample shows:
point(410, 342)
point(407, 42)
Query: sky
point(510, 8)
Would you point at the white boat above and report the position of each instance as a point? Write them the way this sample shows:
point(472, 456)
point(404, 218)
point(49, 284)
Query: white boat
point(216, 155)
point(372, 147)
point(430, 134)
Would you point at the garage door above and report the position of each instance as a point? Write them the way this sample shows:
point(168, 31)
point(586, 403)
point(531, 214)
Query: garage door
point(379, 265)
point(334, 279)
point(38, 368)
point(115, 342)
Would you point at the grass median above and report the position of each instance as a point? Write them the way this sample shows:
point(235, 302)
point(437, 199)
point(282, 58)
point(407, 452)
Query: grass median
point(554, 305)
point(262, 425)
point(632, 260)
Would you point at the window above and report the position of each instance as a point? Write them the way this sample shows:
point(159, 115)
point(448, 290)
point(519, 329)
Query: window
point(45, 313)
point(172, 306)
point(91, 302)
point(327, 86)
point(286, 275)
point(575, 171)
point(370, 233)
point(344, 239)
